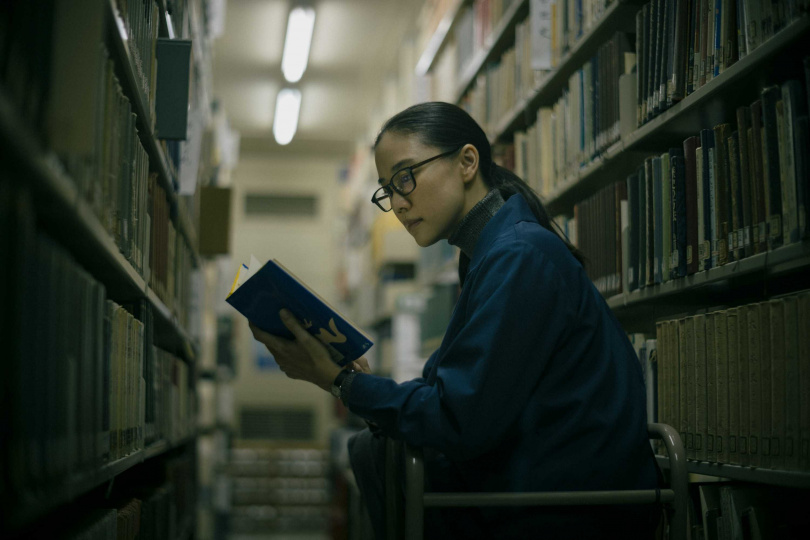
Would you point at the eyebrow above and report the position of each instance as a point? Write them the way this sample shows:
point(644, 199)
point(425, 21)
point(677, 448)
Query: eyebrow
point(399, 165)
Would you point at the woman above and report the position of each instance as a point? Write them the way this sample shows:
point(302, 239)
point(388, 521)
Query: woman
point(535, 386)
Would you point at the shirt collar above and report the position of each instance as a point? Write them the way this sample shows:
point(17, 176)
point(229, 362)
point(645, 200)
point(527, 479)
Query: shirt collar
point(468, 231)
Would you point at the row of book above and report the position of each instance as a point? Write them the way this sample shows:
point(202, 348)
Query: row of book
point(598, 221)
point(734, 382)
point(83, 381)
point(153, 514)
point(474, 26)
point(580, 125)
point(683, 44)
point(551, 28)
point(728, 194)
point(142, 24)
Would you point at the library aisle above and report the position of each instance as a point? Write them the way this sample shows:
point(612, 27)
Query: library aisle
point(151, 150)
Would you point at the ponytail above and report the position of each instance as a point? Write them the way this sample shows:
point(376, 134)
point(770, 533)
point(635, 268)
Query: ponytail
point(508, 183)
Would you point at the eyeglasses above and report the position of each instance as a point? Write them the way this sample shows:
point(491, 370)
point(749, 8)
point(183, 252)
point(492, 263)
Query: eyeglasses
point(402, 182)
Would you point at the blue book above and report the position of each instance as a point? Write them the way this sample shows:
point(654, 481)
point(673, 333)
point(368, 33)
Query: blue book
point(658, 220)
point(260, 292)
point(678, 202)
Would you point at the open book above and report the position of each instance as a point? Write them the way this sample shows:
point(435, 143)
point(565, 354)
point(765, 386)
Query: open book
point(259, 292)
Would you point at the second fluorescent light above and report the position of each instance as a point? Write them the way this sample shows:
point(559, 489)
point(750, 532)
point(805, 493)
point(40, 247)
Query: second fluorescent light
point(285, 120)
point(297, 43)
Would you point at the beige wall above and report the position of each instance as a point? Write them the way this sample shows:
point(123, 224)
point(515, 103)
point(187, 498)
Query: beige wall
point(306, 246)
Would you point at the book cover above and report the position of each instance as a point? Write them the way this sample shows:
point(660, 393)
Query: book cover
point(770, 165)
point(690, 186)
point(803, 174)
point(658, 220)
point(260, 293)
point(758, 181)
point(721, 189)
point(680, 50)
point(679, 218)
point(707, 148)
point(633, 232)
point(747, 202)
point(735, 236)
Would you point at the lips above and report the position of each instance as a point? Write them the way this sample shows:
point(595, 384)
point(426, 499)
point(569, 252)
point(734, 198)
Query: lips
point(411, 223)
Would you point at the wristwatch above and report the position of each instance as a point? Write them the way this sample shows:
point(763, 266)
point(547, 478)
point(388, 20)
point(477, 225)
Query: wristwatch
point(339, 382)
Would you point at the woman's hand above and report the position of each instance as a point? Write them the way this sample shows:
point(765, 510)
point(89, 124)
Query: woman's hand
point(303, 357)
point(361, 365)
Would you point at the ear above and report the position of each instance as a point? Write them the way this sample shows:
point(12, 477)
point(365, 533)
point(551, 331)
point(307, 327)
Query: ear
point(469, 162)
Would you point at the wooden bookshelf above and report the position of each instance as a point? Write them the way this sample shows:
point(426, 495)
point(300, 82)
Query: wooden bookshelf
point(704, 107)
point(503, 34)
point(619, 16)
point(38, 506)
point(440, 37)
point(767, 265)
point(71, 221)
point(157, 158)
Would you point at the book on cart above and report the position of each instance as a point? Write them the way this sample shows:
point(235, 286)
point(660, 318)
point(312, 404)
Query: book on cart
point(259, 292)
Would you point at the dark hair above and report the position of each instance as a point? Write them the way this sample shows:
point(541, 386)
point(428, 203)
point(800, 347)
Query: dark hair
point(446, 126)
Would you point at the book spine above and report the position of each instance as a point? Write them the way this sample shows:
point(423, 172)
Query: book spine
point(721, 375)
point(691, 212)
point(721, 208)
point(778, 383)
point(803, 319)
point(732, 343)
point(710, 354)
point(755, 386)
point(770, 168)
point(759, 184)
point(691, 390)
point(743, 350)
point(792, 359)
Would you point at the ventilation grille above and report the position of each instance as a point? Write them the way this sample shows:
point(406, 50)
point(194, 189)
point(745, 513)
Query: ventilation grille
point(277, 424)
point(281, 205)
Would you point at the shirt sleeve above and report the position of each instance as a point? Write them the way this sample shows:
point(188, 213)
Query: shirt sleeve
point(517, 313)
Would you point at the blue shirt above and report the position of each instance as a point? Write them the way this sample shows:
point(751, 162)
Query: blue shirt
point(535, 386)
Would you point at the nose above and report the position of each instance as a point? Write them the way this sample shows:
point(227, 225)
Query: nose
point(399, 202)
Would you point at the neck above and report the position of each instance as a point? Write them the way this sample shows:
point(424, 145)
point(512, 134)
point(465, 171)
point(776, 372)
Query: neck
point(466, 234)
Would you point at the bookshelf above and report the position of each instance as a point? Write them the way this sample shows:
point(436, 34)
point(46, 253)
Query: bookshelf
point(705, 105)
point(152, 454)
point(775, 276)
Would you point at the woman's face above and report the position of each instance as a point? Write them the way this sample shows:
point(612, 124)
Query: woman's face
point(433, 209)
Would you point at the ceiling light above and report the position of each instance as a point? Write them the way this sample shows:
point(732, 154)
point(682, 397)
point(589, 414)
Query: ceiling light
point(297, 42)
point(285, 120)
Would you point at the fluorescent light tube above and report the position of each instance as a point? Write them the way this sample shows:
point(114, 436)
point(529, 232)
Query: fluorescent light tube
point(285, 120)
point(297, 42)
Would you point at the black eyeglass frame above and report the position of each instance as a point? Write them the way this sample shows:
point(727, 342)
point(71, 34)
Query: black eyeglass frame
point(389, 188)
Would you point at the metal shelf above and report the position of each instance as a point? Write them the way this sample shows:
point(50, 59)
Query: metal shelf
point(792, 479)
